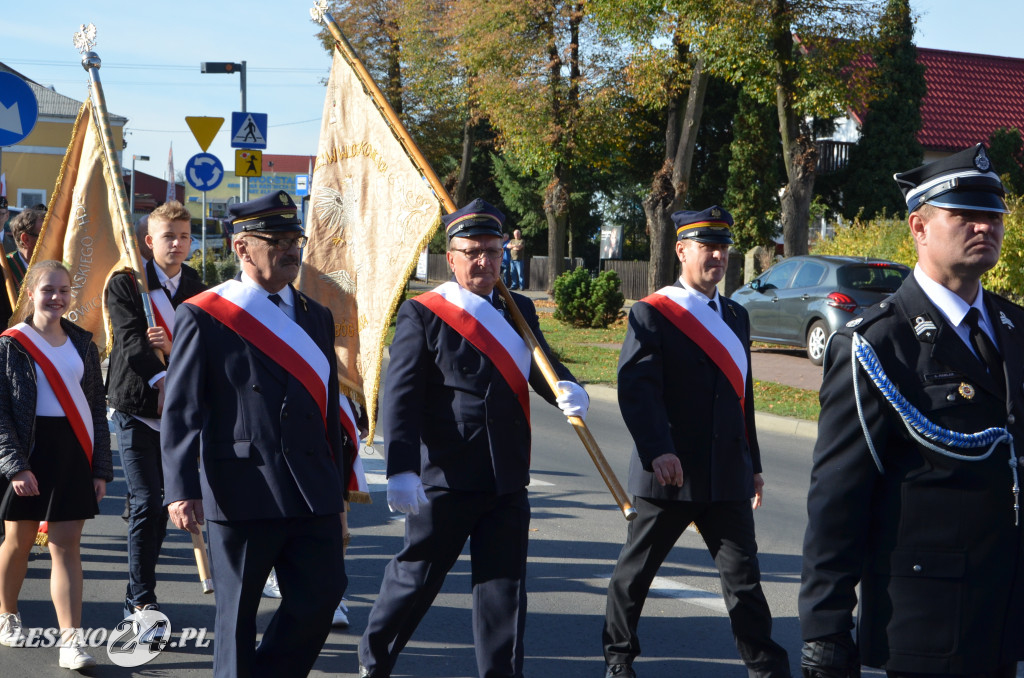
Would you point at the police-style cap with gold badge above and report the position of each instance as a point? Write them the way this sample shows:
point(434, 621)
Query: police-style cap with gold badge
point(477, 218)
point(275, 213)
point(963, 181)
point(710, 225)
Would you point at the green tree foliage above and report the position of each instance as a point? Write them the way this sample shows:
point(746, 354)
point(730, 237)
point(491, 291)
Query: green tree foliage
point(548, 82)
point(1006, 148)
point(713, 152)
point(754, 174)
point(889, 134)
point(583, 301)
point(795, 54)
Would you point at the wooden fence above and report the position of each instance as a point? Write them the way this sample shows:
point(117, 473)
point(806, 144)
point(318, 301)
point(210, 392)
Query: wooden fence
point(633, 275)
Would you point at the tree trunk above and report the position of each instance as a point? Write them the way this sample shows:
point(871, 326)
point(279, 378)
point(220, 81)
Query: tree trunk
point(661, 268)
point(798, 151)
point(462, 183)
point(556, 209)
point(671, 183)
point(796, 197)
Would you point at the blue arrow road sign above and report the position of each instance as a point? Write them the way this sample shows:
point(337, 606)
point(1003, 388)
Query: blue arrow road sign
point(248, 130)
point(18, 109)
point(204, 171)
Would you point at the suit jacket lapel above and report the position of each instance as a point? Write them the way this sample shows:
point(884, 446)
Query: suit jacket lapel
point(1006, 336)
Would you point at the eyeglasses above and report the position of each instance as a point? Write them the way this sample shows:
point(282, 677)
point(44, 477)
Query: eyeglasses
point(283, 244)
point(492, 253)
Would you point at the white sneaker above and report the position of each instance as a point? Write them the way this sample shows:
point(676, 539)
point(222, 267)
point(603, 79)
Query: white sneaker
point(341, 616)
point(271, 589)
point(72, 656)
point(10, 630)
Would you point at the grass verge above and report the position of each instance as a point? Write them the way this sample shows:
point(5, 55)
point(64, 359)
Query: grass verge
point(593, 357)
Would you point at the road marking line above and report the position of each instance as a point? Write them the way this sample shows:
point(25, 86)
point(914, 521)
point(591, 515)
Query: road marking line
point(667, 588)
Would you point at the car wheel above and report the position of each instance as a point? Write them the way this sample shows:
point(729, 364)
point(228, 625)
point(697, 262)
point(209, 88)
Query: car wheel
point(817, 338)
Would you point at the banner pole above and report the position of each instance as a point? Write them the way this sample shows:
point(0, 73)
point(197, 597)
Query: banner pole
point(91, 64)
point(85, 39)
point(320, 14)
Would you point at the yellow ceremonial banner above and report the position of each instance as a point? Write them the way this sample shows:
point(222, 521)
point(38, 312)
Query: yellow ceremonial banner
point(81, 230)
point(371, 215)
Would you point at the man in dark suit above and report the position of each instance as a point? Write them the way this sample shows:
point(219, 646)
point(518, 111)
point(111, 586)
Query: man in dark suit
point(455, 419)
point(252, 393)
point(925, 520)
point(686, 395)
point(135, 387)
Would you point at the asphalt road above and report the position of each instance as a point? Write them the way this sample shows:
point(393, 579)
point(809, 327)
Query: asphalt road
point(576, 536)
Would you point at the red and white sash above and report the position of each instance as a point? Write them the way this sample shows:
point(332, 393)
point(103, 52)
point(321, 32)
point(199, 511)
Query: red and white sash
point(163, 310)
point(357, 475)
point(482, 326)
point(249, 313)
point(705, 327)
point(57, 371)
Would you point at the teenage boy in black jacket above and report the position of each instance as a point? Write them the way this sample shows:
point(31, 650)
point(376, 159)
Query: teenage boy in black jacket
point(135, 382)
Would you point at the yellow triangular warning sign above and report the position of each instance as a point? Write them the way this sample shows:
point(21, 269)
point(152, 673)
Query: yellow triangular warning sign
point(204, 129)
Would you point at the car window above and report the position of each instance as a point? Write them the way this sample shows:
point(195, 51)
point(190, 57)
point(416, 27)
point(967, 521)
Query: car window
point(778, 276)
point(809, 275)
point(872, 277)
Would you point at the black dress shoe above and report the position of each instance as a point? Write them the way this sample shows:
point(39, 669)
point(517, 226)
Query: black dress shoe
point(620, 671)
point(365, 672)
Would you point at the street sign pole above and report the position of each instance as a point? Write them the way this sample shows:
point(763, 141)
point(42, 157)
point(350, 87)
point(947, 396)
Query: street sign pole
point(203, 241)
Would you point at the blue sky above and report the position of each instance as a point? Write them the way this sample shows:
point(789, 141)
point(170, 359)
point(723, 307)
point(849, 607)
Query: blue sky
point(151, 54)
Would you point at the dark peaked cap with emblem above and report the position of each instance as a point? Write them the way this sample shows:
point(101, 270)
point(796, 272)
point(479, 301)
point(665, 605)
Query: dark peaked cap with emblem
point(477, 218)
point(274, 213)
point(963, 181)
point(710, 225)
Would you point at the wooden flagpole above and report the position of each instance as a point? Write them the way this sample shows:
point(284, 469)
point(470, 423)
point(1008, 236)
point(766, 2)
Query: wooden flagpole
point(85, 39)
point(320, 14)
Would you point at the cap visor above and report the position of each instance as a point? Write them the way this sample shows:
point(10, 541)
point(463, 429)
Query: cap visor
point(475, 229)
point(983, 201)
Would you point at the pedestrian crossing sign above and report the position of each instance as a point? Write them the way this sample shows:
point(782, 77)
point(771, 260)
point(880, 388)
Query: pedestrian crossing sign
point(248, 163)
point(248, 130)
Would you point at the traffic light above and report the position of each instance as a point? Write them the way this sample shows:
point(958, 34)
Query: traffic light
point(220, 67)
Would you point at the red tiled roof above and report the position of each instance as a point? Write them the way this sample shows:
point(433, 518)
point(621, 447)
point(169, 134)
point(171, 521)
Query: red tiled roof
point(295, 164)
point(969, 97)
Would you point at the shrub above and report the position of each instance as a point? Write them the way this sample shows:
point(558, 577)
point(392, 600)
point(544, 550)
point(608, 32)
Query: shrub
point(888, 238)
point(881, 238)
point(583, 301)
point(220, 265)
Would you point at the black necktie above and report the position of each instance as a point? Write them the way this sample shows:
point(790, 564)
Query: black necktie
point(713, 305)
point(170, 297)
point(984, 347)
point(276, 298)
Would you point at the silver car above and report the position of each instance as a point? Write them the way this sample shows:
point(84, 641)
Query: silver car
point(802, 300)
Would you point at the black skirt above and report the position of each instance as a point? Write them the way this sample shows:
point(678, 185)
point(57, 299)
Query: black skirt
point(64, 476)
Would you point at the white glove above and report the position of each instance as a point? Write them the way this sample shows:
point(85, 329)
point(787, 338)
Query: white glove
point(405, 493)
point(573, 400)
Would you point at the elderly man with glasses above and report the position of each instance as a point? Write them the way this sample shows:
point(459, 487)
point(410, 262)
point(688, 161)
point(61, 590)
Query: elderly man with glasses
point(455, 415)
point(252, 392)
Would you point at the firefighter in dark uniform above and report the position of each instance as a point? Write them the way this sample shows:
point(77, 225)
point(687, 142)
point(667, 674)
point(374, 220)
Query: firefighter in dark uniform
point(455, 417)
point(686, 395)
point(914, 487)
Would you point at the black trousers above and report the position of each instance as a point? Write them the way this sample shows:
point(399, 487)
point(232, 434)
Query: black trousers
point(307, 555)
point(728, 531)
point(497, 527)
